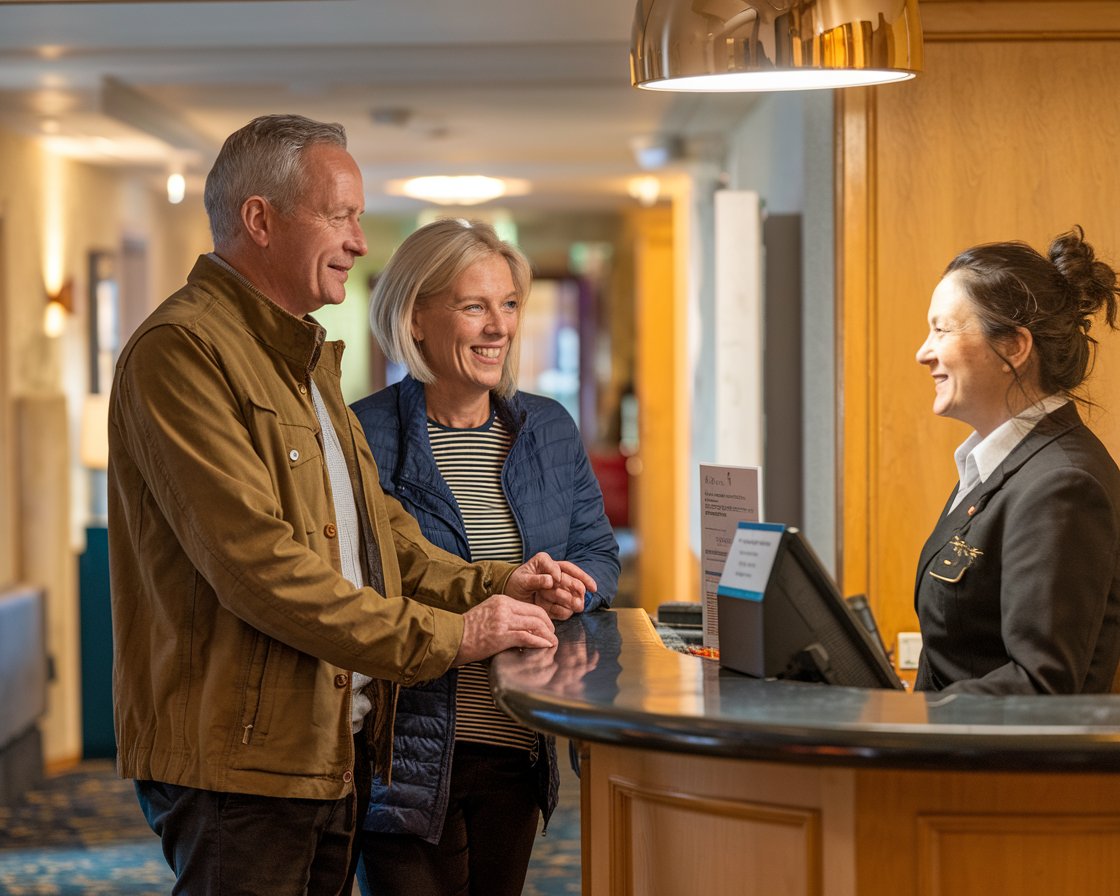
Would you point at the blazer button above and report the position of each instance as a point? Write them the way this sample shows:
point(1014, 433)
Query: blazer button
point(341, 680)
point(302, 389)
point(330, 530)
point(348, 776)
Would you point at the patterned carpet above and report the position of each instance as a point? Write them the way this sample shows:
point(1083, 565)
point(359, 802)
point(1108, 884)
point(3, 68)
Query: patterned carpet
point(82, 834)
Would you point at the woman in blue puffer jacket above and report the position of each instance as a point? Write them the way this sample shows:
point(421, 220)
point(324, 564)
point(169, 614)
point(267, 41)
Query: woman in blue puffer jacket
point(489, 473)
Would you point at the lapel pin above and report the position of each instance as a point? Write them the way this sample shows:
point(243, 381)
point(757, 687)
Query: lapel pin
point(972, 510)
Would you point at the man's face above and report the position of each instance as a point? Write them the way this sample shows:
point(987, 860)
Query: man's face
point(312, 249)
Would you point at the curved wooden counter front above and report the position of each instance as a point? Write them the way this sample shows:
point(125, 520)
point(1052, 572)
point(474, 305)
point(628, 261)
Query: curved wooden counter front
point(697, 780)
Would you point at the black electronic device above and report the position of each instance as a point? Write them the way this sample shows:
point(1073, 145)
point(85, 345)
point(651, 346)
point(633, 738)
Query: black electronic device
point(801, 629)
point(862, 609)
point(680, 614)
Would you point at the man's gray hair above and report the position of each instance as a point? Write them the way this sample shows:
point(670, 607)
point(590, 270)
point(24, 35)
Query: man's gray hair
point(264, 158)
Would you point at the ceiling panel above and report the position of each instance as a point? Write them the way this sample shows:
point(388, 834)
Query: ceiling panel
point(500, 87)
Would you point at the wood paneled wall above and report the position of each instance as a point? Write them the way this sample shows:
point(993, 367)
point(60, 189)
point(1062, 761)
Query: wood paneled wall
point(1011, 132)
point(661, 499)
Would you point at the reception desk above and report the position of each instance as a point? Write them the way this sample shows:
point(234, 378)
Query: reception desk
point(698, 780)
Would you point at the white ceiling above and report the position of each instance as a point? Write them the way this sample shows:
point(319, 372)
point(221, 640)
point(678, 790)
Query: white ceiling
point(516, 88)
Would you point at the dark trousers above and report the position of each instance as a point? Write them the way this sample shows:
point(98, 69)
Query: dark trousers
point(234, 844)
point(492, 817)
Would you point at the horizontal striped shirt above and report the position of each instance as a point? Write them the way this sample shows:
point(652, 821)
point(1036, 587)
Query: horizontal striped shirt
point(470, 462)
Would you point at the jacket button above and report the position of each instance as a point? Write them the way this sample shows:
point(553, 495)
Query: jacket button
point(329, 530)
point(347, 776)
point(341, 680)
point(302, 389)
point(293, 455)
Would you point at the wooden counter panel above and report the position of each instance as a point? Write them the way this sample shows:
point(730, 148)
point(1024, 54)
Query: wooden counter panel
point(648, 824)
point(982, 833)
point(977, 855)
point(663, 824)
point(659, 824)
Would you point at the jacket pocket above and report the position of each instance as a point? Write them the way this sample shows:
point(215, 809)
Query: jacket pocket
point(254, 689)
point(307, 472)
point(954, 560)
point(293, 454)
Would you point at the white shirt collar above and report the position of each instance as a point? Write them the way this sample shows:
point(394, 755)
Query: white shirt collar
point(977, 458)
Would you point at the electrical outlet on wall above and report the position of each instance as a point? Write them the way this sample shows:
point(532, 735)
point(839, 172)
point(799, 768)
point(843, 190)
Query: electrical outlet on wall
point(909, 649)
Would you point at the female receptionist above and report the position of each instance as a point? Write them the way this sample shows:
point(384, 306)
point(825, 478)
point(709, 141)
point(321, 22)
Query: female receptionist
point(1018, 587)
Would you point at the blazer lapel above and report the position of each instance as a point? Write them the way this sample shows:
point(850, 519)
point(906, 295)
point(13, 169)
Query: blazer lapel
point(1049, 428)
point(946, 523)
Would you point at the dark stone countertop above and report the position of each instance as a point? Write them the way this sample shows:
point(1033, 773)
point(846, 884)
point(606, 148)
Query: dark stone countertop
point(611, 680)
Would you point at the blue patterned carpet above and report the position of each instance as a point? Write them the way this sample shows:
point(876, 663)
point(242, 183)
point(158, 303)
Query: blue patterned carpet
point(82, 834)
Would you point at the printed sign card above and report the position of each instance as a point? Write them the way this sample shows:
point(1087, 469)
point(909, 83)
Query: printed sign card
point(750, 560)
point(728, 496)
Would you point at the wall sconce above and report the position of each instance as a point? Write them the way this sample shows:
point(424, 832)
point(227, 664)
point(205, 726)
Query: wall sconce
point(745, 45)
point(60, 305)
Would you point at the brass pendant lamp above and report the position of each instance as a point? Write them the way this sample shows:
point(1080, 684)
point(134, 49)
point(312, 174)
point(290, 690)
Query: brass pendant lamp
point(745, 45)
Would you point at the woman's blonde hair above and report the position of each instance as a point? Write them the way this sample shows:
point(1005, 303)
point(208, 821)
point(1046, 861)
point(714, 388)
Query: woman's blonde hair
point(428, 263)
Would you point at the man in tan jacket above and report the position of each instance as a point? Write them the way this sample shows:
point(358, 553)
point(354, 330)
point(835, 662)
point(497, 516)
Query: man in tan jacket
point(267, 597)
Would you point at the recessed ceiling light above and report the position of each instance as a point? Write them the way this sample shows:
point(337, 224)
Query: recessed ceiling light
point(463, 189)
point(176, 188)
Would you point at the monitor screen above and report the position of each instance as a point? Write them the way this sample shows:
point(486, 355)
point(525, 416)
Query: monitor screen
point(801, 629)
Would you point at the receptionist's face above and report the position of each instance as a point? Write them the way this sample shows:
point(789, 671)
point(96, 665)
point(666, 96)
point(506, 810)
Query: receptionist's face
point(970, 382)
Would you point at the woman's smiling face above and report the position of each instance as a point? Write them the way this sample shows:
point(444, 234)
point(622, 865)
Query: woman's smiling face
point(465, 333)
point(971, 381)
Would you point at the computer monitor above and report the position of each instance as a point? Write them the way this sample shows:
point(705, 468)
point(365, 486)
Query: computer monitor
point(801, 629)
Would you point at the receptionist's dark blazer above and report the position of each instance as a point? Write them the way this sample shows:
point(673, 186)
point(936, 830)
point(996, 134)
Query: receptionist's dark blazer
point(1018, 588)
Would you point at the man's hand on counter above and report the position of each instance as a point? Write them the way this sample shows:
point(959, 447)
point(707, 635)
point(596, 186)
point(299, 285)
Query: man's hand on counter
point(501, 622)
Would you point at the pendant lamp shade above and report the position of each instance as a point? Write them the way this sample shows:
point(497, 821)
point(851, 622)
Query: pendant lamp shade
point(745, 45)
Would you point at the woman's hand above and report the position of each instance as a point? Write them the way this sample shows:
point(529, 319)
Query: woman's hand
point(556, 586)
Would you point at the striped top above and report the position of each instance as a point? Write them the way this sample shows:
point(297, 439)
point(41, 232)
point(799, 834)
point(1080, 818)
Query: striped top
point(470, 462)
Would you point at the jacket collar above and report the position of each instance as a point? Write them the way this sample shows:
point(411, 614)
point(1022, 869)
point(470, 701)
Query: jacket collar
point(412, 408)
point(300, 340)
point(1048, 429)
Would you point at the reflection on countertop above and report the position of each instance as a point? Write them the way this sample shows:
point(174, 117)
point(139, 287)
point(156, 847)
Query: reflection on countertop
point(611, 680)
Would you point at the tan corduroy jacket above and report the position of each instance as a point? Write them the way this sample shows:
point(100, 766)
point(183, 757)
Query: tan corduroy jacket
point(234, 631)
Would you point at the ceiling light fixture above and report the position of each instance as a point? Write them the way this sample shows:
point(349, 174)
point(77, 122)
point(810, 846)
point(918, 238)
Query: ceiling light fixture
point(646, 189)
point(466, 189)
point(176, 187)
point(762, 45)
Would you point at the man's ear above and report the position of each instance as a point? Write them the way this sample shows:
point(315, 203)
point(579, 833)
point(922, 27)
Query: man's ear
point(256, 215)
